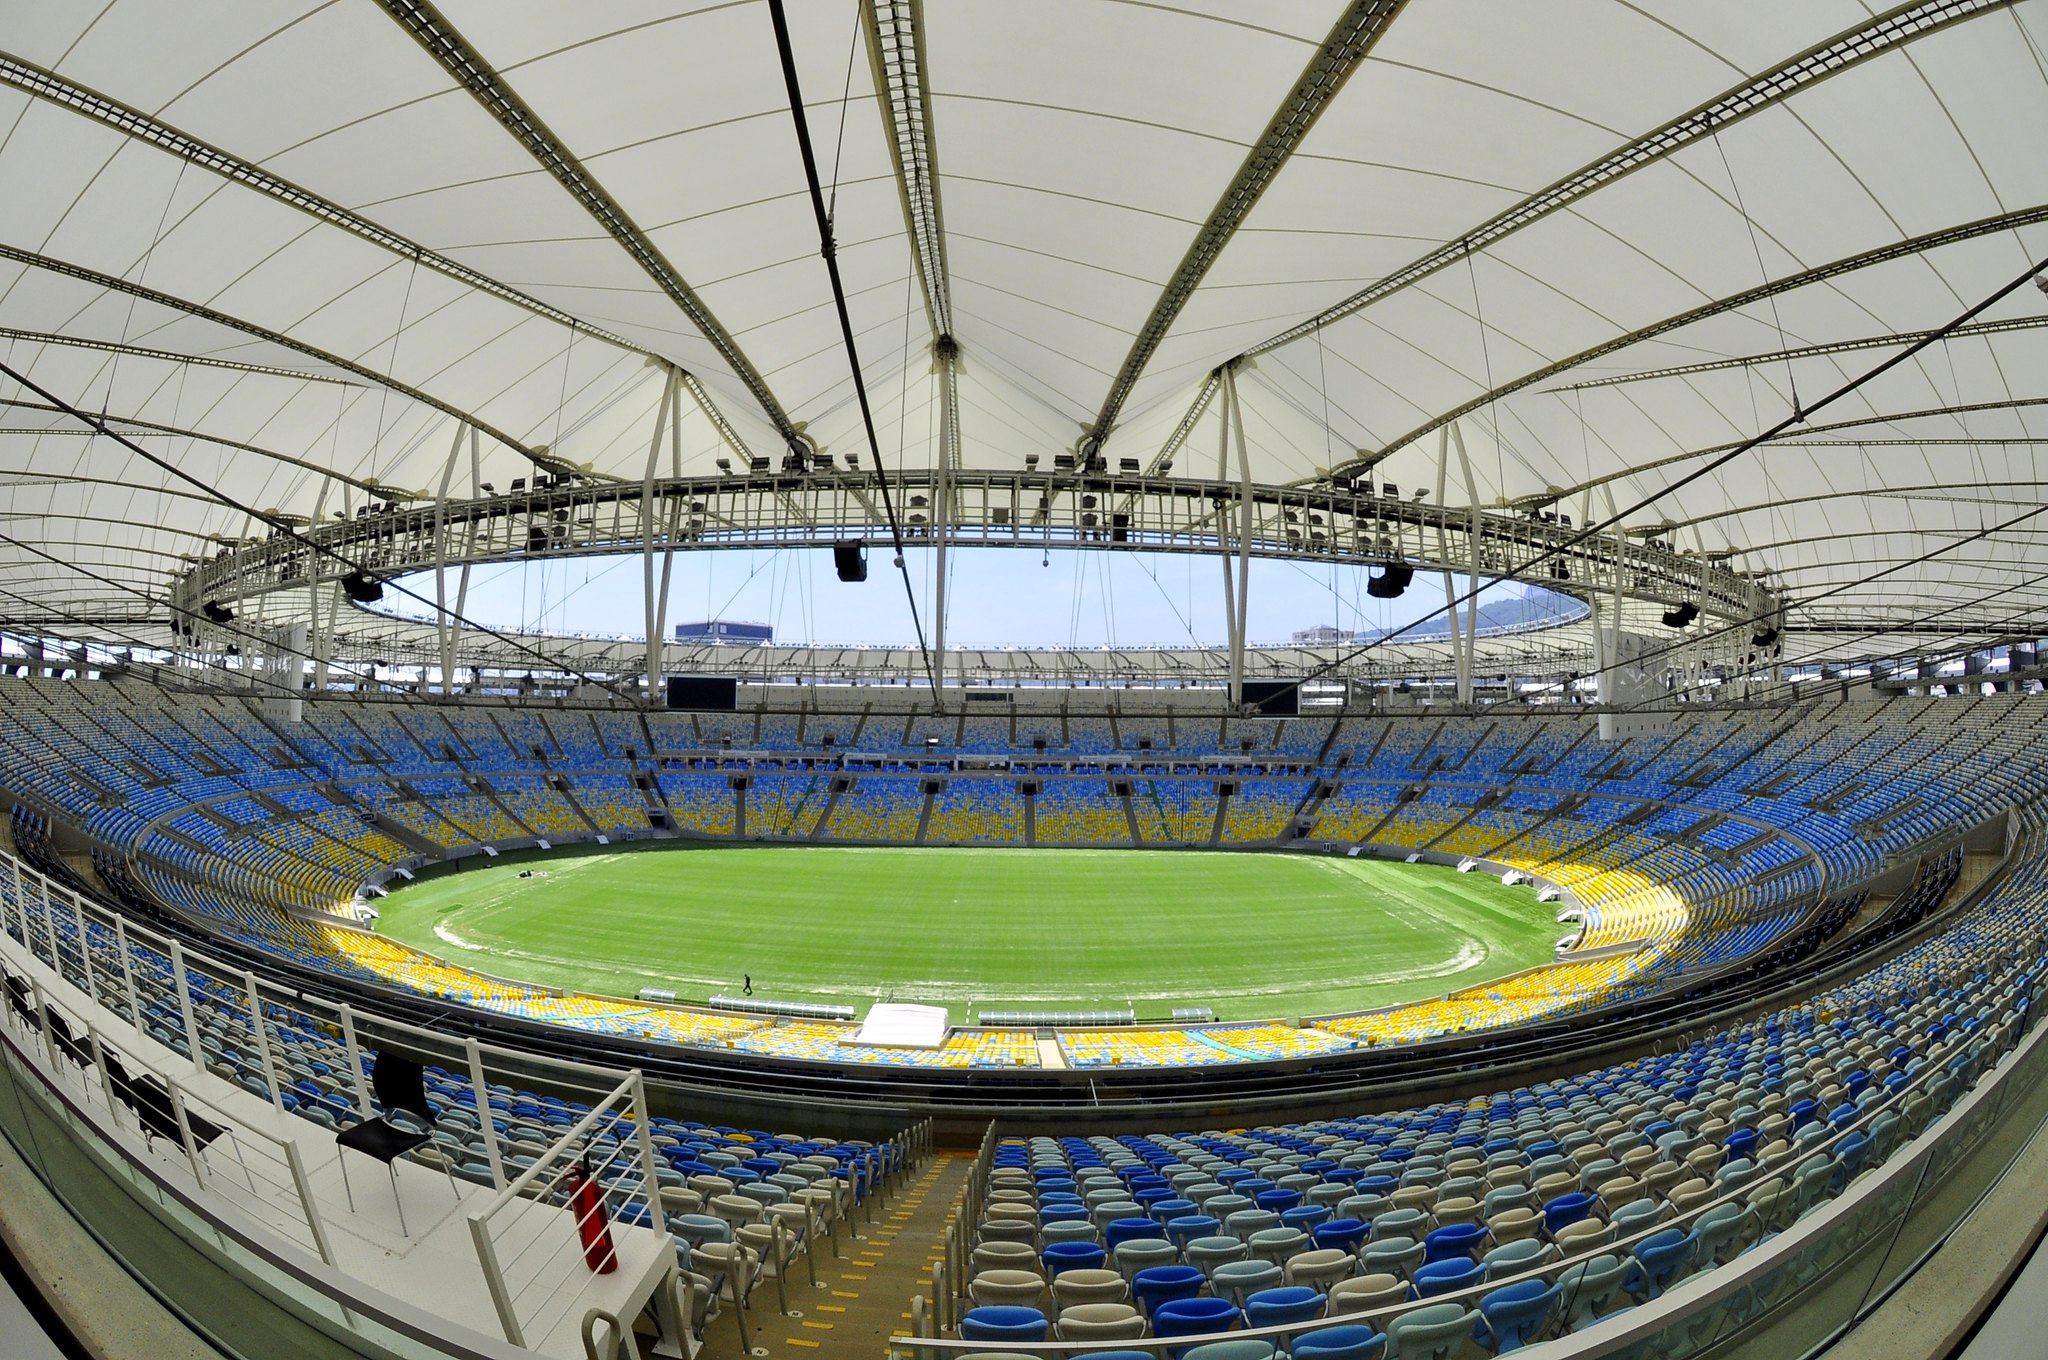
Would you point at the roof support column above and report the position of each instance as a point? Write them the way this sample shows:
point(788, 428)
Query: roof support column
point(674, 517)
point(1468, 650)
point(316, 637)
point(948, 355)
point(323, 644)
point(469, 548)
point(1443, 554)
point(1607, 641)
point(656, 594)
point(444, 622)
point(251, 629)
point(1230, 417)
point(1234, 644)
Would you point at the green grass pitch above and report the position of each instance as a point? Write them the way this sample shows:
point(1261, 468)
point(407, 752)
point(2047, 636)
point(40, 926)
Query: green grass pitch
point(1256, 936)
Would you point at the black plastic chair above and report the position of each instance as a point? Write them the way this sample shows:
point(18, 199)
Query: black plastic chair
point(20, 1000)
point(399, 1083)
point(150, 1100)
point(74, 1049)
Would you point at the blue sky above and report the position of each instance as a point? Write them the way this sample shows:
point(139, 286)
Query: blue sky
point(999, 596)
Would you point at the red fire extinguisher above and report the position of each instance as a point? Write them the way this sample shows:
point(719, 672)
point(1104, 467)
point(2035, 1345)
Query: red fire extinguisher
point(593, 1226)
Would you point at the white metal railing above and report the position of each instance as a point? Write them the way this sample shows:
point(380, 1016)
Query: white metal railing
point(197, 1016)
point(537, 1265)
point(261, 1174)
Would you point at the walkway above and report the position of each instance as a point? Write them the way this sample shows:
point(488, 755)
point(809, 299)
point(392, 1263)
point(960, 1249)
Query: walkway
point(864, 1298)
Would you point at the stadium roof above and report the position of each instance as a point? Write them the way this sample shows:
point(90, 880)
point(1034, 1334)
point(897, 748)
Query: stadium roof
point(1611, 239)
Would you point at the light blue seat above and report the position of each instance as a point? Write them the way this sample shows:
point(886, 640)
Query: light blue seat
point(1717, 1234)
point(1208, 1253)
point(1237, 1348)
point(1586, 1291)
point(1077, 1230)
point(1395, 1255)
point(1143, 1254)
point(1399, 1223)
point(1247, 1223)
point(1363, 1207)
point(1637, 1215)
point(1278, 1244)
point(1512, 1258)
point(1223, 1206)
point(1238, 1280)
point(1437, 1332)
point(698, 1229)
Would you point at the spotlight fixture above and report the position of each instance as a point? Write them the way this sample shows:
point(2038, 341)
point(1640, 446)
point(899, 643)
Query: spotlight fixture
point(362, 587)
point(1682, 615)
point(1763, 637)
point(1391, 582)
point(216, 612)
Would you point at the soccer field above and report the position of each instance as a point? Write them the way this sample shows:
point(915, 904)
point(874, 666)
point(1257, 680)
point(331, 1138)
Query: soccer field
point(1254, 935)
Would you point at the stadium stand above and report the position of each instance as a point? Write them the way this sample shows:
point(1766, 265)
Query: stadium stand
point(1666, 878)
point(1650, 1169)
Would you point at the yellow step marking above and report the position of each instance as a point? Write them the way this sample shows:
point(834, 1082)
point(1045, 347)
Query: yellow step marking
point(805, 1342)
point(817, 1326)
point(831, 1307)
point(845, 1294)
point(852, 1277)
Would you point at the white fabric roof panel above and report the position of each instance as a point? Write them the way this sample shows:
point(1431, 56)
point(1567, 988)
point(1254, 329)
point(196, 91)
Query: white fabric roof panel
point(1079, 149)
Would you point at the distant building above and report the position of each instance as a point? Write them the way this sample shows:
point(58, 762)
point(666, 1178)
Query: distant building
point(1323, 635)
point(727, 631)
